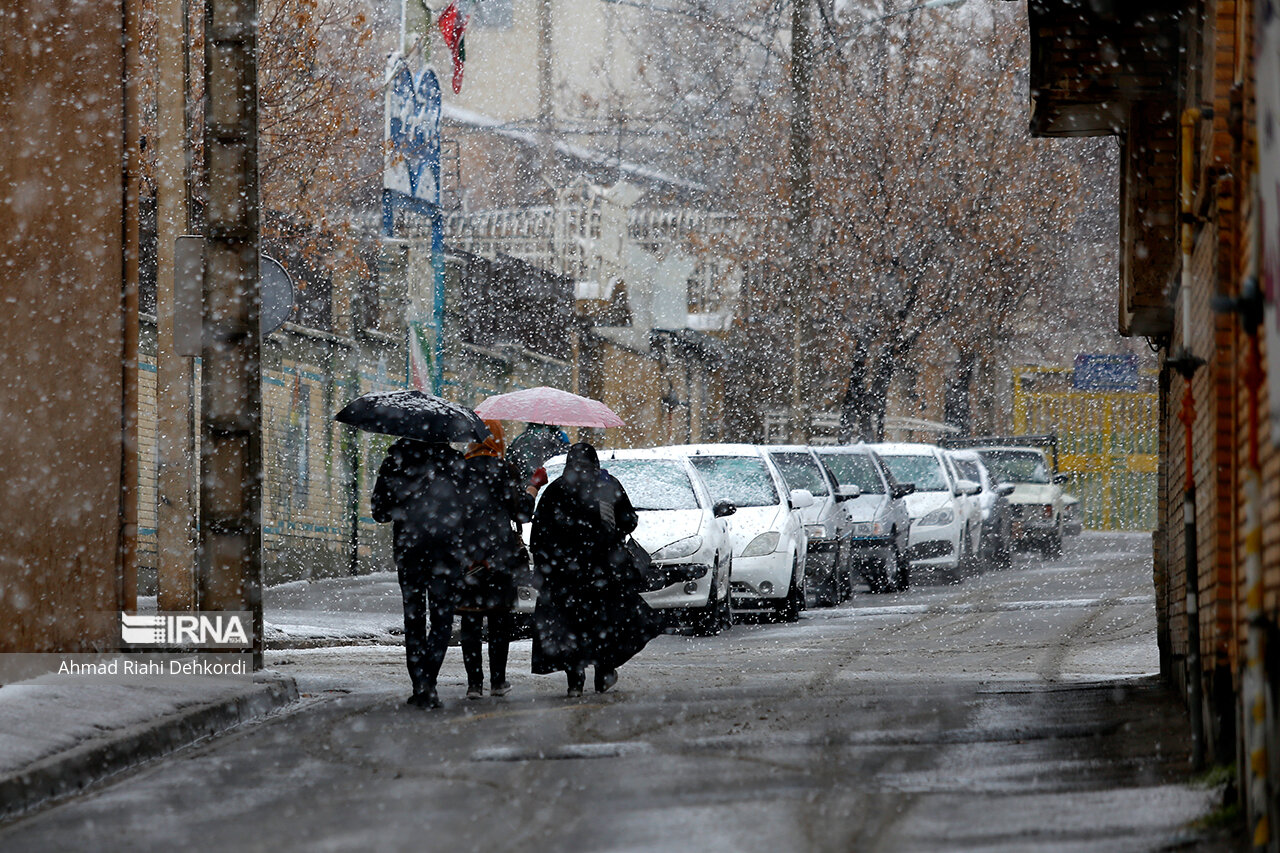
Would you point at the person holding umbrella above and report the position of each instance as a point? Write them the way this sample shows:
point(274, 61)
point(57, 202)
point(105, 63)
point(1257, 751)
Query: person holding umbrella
point(589, 610)
point(419, 490)
point(537, 444)
point(496, 506)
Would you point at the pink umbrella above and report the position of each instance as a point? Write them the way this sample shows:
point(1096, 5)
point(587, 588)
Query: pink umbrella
point(544, 405)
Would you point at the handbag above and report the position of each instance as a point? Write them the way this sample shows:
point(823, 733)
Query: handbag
point(646, 575)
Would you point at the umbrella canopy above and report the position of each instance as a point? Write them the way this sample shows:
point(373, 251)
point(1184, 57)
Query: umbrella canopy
point(413, 414)
point(544, 405)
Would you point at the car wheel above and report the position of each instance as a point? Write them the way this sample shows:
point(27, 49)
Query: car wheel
point(904, 571)
point(726, 606)
point(789, 609)
point(708, 620)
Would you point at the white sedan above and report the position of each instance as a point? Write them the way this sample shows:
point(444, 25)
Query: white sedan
point(683, 530)
point(769, 540)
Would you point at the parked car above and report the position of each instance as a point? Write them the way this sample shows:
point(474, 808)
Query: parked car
point(993, 500)
point(1037, 498)
point(682, 528)
point(826, 525)
point(769, 541)
point(944, 531)
point(880, 523)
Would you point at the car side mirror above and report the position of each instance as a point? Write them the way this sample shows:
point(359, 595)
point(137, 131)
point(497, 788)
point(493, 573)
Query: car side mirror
point(848, 493)
point(900, 490)
point(801, 498)
point(724, 508)
point(1059, 479)
point(967, 487)
point(1005, 489)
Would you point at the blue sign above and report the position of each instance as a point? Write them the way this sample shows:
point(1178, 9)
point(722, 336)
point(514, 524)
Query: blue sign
point(1106, 372)
point(411, 178)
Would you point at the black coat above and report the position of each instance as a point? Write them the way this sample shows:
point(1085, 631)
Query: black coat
point(589, 608)
point(419, 491)
point(495, 504)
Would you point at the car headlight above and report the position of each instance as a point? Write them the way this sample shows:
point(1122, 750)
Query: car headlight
point(765, 543)
point(819, 531)
point(868, 528)
point(937, 518)
point(680, 548)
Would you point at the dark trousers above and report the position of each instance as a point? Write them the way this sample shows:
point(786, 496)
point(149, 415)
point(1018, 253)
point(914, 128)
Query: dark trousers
point(500, 622)
point(426, 589)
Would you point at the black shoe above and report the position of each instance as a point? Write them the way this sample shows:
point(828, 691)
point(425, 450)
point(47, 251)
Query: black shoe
point(500, 688)
point(605, 679)
point(425, 699)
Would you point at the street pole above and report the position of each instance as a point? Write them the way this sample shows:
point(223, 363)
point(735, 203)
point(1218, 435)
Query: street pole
point(175, 492)
point(230, 573)
point(800, 231)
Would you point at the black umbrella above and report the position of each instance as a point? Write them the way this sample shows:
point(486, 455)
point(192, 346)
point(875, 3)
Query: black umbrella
point(413, 414)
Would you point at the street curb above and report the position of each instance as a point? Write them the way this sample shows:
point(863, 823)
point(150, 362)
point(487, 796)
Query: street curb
point(87, 764)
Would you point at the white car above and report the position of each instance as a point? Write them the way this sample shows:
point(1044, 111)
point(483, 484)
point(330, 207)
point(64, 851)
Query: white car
point(827, 527)
point(682, 528)
point(944, 533)
point(769, 540)
point(878, 514)
point(1037, 499)
point(997, 516)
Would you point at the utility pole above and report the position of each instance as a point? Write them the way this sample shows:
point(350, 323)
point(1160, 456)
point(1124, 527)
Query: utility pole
point(230, 575)
point(546, 105)
point(175, 504)
point(800, 230)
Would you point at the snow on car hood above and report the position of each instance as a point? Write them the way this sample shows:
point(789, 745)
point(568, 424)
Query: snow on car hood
point(920, 504)
point(659, 528)
point(864, 507)
point(750, 521)
point(1034, 493)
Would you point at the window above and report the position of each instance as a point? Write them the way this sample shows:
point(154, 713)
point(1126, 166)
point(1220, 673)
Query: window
point(742, 480)
point(925, 472)
point(1016, 466)
point(855, 469)
point(801, 471)
point(654, 484)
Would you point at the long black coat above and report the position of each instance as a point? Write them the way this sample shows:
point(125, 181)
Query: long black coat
point(589, 609)
point(495, 504)
point(419, 490)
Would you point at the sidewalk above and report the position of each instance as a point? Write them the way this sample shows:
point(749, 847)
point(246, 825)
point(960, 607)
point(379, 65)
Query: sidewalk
point(58, 738)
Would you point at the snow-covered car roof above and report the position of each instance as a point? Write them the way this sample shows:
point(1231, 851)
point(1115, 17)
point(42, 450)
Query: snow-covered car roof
point(905, 449)
point(860, 447)
point(606, 454)
point(1012, 449)
point(716, 449)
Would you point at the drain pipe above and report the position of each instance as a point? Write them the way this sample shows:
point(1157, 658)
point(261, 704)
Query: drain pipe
point(1186, 364)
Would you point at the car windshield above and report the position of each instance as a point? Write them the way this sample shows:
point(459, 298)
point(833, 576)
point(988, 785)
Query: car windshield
point(1013, 466)
point(654, 484)
point(969, 470)
point(855, 469)
point(923, 471)
point(651, 484)
point(741, 480)
point(801, 471)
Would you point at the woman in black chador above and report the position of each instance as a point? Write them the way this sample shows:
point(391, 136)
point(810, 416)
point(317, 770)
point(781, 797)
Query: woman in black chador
point(589, 609)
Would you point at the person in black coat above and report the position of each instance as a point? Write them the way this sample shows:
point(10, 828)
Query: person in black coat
point(537, 444)
point(589, 609)
point(496, 506)
point(418, 490)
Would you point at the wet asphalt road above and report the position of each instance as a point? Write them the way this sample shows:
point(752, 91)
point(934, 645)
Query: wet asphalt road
point(1016, 710)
